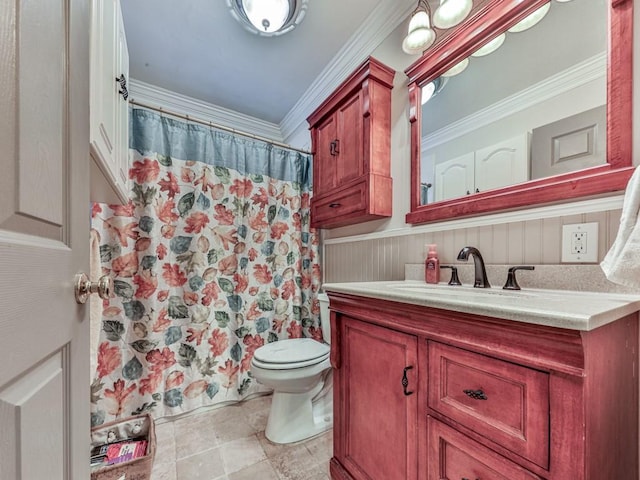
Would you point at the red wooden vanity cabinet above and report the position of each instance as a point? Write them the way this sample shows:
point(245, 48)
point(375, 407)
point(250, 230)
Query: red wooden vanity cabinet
point(425, 393)
point(350, 137)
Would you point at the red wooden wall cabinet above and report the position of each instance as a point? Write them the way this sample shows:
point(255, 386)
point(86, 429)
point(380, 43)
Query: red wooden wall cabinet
point(423, 393)
point(350, 137)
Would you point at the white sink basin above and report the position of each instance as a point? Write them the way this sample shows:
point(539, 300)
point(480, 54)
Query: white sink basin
point(461, 291)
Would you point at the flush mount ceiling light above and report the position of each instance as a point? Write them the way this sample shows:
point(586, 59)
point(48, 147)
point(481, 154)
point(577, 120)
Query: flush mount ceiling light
point(268, 17)
point(490, 47)
point(530, 20)
point(420, 36)
point(451, 12)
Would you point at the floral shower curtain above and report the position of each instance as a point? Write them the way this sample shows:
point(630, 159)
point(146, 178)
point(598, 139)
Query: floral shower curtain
point(212, 257)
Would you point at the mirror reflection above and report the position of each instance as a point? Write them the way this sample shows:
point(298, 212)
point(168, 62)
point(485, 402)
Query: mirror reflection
point(529, 104)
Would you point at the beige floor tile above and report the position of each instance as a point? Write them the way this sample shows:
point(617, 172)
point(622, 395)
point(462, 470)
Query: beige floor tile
point(258, 471)
point(257, 404)
point(205, 465)
point(241, 453)
point(163, 471)
point(165, 443)
point(194, 434)
point(321, 447)
point(295, 464)
point(275, 449)
point(230, 424)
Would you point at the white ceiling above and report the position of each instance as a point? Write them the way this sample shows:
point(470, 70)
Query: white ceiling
point(196, 48)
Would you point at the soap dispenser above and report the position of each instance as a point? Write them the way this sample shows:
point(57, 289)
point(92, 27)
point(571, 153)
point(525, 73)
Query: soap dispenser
point(432, 265)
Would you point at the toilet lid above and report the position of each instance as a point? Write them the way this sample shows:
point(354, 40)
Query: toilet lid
point(291, 351)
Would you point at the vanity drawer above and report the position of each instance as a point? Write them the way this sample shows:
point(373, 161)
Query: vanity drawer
point(506, 403)
point(454, 456)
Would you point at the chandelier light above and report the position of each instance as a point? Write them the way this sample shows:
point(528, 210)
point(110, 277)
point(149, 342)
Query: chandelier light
point(420, 35)
point(530, 20)
point(451, 12)
point(268, 17)
point(457, 68)
point(490, 47)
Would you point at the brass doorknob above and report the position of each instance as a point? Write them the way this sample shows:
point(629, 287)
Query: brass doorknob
point(85, 287)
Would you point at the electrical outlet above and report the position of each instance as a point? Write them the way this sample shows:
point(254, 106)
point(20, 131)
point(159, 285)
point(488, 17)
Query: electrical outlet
point(580, 243)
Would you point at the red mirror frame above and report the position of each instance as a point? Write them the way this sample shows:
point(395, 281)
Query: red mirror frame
point(489, 20)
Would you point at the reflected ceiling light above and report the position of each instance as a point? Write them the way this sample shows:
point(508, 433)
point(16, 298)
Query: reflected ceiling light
point(420, 35)
point(268, 17)
point(490, 47)
point(451, 12)
point(432, 88)
point(457, 68)
point(530, 20)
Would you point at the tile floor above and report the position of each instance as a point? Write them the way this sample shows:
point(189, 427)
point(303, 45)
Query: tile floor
point(228, 443)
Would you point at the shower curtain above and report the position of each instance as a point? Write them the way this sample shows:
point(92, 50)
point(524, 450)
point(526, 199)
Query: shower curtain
point(212, 257)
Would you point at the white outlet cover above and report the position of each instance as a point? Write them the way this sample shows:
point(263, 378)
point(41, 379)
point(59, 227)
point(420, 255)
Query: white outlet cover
point(590, 254)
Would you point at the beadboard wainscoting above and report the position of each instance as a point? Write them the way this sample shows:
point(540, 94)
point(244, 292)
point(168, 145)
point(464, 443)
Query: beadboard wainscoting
point(531, 242)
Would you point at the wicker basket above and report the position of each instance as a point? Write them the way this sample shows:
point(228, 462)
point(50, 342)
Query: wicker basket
point(136, 469)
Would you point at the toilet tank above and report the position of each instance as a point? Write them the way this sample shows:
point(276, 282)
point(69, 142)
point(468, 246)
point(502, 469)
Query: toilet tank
point(325, 318)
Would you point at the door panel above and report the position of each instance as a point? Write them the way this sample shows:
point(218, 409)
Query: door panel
point(351, 156)
point(324, 171)
point(380, 420)
point(454, 178)
point(44, 239)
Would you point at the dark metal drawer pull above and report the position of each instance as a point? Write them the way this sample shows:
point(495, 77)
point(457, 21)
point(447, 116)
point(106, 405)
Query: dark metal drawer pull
point(465, 478)
point(405, 380)
point(334, 205)
point(475, 394)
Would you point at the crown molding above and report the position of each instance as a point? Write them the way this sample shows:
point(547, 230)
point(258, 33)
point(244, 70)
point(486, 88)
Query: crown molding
point(562, 82)
point(157, 97)
point(593, 205)
point(383, 20)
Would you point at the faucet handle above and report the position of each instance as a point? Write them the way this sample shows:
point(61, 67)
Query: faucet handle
point(512, 283)
point(454, 275)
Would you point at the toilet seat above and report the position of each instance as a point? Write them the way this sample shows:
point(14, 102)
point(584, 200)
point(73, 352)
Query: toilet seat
point(291, 353)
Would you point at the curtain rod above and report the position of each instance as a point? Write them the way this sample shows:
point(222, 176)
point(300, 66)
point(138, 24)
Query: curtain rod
point(189, 118)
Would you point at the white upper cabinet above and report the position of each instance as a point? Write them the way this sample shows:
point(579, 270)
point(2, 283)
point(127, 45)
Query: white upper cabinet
point(109, 103)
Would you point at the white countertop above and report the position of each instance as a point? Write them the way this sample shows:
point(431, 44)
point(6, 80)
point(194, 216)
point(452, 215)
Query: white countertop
point(556, 308)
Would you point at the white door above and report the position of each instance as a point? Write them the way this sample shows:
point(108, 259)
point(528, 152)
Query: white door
point(503, 164)
point(44, 239)
point(454, 178)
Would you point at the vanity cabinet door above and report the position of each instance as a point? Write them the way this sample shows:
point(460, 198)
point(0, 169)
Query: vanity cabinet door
point(453, 456)
point(377, 414)
point(349, 146)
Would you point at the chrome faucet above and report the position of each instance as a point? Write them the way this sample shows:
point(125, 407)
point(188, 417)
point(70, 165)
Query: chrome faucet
point(481, 280)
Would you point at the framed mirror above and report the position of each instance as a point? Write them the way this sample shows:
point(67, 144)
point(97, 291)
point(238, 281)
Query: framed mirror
point(544, 118)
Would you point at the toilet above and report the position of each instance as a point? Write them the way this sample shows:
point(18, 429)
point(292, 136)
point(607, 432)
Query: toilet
point(300, 374)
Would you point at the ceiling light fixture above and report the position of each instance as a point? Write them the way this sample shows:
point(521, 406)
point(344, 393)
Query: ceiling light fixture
point(268, 17)
point(457, 68)
point(530, 20)
point(490, 47)
point(420, 36)
point(432, 88)
point(451, 12)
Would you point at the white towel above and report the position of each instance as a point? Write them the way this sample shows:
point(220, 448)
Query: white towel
point(95, 303)
point(621, 264)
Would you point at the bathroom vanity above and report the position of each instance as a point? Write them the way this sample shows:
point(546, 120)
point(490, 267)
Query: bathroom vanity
point(438, 382)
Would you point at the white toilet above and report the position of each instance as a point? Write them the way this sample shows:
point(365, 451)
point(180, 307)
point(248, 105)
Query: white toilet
point(300, 374)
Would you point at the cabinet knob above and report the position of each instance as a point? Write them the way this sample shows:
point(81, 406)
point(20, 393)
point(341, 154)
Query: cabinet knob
point(405, 380)
point(122, 80)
